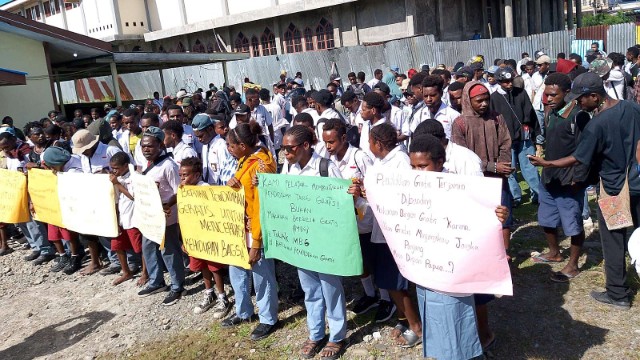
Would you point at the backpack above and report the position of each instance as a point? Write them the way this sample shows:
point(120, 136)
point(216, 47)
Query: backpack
point(324, 167)
point(358, 90)
point(353, 134)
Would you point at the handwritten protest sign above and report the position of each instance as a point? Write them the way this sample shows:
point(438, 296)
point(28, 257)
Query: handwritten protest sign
point(14, 206)
point(87, 204)
point(442, 229)
point(148, 215)
point(43, 191)
point(212, 224)
point(310, 222)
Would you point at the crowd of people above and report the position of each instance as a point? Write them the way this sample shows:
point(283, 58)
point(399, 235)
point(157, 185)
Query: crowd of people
point(578, 120)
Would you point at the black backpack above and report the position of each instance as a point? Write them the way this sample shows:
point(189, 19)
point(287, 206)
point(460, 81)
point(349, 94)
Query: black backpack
point(353, 134)
point(324, 167)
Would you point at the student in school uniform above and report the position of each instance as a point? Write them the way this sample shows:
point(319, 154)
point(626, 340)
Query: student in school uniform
point(323, 293)
point(173, 132)
point(58, 159)
point(372, 115)
point(383, 143)
point(353, 164)
point(132, 133)
point(218, 165)
point(253, 157)
point(164, 171)
point(451, 330)
point(191, 174)
point(129, 237)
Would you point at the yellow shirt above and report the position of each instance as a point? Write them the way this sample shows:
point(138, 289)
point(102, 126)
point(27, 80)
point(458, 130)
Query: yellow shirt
point(133, 141)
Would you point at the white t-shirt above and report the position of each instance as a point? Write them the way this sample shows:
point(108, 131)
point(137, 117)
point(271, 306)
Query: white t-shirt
point(213, 156)
point(354, 164)
point(312, 168)
point(537, 84)
point(189, 138)
point(125, 205)
point(396, 159)
point(166, 175)
point(395, 115)
point(462, 161)
point(364, 135)
point(100, 159)
point(445, 115)
point(183, 151)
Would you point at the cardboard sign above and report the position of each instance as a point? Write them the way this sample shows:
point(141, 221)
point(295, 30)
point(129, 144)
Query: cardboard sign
point(14, 206)
point(43, 192)
point(148, 216)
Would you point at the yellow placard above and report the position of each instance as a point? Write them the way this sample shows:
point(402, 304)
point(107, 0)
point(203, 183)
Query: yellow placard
point(212, 223)
point(14, 203)
point(43, 192)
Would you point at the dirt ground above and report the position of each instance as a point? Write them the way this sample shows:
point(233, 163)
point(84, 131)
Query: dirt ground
point(54, 316)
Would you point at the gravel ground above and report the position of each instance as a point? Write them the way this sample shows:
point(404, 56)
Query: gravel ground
point(55, 316)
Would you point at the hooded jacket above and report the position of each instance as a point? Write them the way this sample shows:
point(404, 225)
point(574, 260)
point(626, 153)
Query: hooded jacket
point(487, 135)
point(260, 161)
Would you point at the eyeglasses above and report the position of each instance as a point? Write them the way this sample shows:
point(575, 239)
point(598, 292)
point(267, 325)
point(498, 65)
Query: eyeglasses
point(290, 148)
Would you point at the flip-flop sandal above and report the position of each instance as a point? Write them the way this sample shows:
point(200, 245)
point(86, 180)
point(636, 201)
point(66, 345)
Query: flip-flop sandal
point(399, 329)
point(561, 277)
point(543, 260)
point(336, 348)
point(411, 338)
point(310, 348)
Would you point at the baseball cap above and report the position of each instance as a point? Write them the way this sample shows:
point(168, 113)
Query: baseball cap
point(181, 94)
point(383, 87)
point(584, 84)
point(477, 66)
point(334, 77)
point(394, 68)
point(493, 69)
point(155, 132)
point(601, 66)
point(7, 129)
point(201, 122)
point(543, 59)
point(242, 109)
point(405, 84)
point(465, 71)
point(504, 74)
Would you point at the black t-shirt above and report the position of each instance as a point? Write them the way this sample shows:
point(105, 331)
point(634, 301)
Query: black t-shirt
point(562, 134)
point(609, 143)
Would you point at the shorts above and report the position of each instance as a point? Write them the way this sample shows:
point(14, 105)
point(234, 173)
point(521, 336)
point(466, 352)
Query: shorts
point(561, 206)
point(199, 264)
point(386, 274)
point(56, 233)
point(483, 299)
point(128, 239)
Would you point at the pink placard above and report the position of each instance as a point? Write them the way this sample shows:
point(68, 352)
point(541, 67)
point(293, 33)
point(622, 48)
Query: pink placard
point(442, 229)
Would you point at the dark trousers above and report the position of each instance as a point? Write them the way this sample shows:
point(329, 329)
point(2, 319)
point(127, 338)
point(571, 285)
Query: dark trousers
point(614, 248)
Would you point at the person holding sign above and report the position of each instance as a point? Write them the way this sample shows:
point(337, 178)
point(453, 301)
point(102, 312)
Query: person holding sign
point(451, 330)
point(164, 171)
point(243, 144)
point(323, 293)
point(191, 174)
point(383, 143)
point(60, 160)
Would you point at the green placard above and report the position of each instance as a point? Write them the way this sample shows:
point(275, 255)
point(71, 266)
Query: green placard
point(310, 222)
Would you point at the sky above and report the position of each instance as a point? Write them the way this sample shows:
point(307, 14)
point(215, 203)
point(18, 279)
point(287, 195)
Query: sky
point(2, 2)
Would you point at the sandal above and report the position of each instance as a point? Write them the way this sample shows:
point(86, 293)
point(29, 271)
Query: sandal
point(310, 348)
point(335, 349)
point(411, 339)
point(398, 330)
point(560, 277)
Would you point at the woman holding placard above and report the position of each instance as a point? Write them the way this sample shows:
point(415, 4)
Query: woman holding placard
point(244, 145)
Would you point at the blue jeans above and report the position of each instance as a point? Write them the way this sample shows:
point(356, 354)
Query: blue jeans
point(36, 234)
point(323, 293)
point(132, 258)
point(519, 152)
point(586, 212)
point(171, 255)
point(263, 274)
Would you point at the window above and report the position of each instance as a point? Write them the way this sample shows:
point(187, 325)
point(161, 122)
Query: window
point(210, 47)
point(47, 8)
point(324, 34)
point(292, 39)
point(242, 43)
point(308, 39)
point(55, 7)
point(126, 24)
point(268, 42)
point(255, 46)
point(198, 47)
point(141, 23)
point(134, 23)
point(180, 47)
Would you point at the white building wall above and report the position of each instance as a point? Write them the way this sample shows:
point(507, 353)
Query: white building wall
point(201, 10)
point(99, 15)
point(133, 17)
point(75, 21)
point(56, 20)
point(23, 54)
point(237, 6)
point(164, 14)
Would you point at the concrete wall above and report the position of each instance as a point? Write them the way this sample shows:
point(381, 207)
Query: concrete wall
point(29, 102)
point(99, 15)
point(380, 20)
point(239, 6)
point(56, 20)
point(164, 14)
point(75, 21)
point(133, 16)
point(201, 10)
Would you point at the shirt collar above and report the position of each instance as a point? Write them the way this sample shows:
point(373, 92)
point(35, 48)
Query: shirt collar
point(347, 156)
point(392, 154)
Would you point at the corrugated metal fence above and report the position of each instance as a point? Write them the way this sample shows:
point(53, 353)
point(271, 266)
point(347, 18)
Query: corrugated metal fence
point(316, 65)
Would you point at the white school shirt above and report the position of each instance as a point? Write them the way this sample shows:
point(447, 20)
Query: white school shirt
point(279, 122)
point(491, 88)
point(445, 115)
point(355, 118)
point(165, 174)
point(314, 114)
point(354, 164)
point(537, 84)
point(462, 161)
point(100, 159)
point(125, 205)
point(14, 164)
point(331, 114)
point(312, 168)
point(212, 160)
point(396, 159)
point(74, 165)
point(373, 82)
point(364, 135)
point(528, 85)
point(189, 138)
point(397, 119)
point(183, 151)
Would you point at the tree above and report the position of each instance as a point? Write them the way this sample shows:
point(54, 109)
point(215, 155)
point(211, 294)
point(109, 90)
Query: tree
point(606, 19)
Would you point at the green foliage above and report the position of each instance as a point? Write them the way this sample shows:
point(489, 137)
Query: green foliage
point(606, 19)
